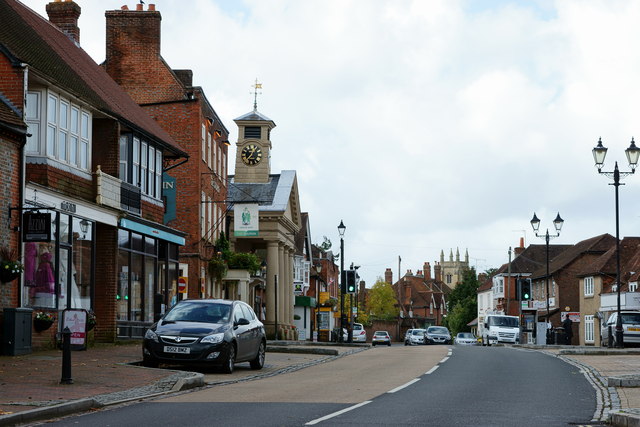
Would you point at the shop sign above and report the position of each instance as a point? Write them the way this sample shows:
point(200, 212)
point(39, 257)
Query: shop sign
point(36, 227)
point(76, 321)
point(245, 219)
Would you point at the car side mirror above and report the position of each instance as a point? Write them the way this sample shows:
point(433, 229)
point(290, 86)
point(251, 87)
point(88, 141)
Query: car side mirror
point(241, 322)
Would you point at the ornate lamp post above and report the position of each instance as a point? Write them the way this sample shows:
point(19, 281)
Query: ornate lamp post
point(535, 224)
point(341, 230)
point(633, 153)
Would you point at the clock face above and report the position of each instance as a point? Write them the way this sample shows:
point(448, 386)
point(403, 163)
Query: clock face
point(251, 154)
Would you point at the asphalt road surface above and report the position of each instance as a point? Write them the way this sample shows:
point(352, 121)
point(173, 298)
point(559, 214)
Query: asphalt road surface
point(398, 385)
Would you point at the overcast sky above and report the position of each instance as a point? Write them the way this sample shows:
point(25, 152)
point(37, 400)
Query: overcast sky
point(423, 125)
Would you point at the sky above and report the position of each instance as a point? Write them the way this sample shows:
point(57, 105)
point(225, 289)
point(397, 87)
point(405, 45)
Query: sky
point(425, 125)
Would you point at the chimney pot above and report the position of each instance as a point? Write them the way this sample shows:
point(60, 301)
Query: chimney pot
point(139, 6)
point(152, 7)
point(124, 7)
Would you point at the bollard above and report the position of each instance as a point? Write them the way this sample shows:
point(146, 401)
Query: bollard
point(66, 357)
point(609, 337)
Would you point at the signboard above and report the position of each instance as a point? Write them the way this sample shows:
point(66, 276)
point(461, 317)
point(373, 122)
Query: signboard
point(573, 315)
point(36, 227)
point(169, 196)
point(182, 285)
point(297, 288)
point(76, 321)
point(245, 219)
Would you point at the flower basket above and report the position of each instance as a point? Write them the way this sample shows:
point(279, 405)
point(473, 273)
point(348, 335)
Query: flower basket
point(42, 321)
point(41, 325)
point(91, 320)
point(7, 275)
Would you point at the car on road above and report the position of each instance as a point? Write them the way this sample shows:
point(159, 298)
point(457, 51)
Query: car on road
point(437, 335)
point(465, 338)
point(210, 332)
point(417, 337)
point(407, 336)
point(630, 328)
point(359, 334)
point(381, 337)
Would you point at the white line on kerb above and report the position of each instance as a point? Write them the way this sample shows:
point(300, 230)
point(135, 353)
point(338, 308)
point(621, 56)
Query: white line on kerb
point(403, 386)
point(335, 414)
point(432, 370)
point(444, 360)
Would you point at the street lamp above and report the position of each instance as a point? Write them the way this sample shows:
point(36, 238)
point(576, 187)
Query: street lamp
point(535, 224)
point(633, 153)
point(341, 230)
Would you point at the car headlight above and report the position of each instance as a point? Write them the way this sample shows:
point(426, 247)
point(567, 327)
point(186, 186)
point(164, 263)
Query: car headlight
point(150, 335)
point(212, 339)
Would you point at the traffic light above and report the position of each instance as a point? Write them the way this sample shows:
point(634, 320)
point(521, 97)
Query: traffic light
point(351, 281)
point(348, 282)
point(525, 289)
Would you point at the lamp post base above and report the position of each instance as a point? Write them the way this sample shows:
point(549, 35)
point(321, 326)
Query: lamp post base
point(619, 339)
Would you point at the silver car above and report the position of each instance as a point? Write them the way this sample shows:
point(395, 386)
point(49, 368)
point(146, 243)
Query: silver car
point(630, 328)
point(417, 337)
point(465, 338)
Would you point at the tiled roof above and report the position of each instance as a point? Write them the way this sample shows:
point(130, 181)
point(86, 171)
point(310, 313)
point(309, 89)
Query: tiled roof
point(10, 117)
point(271, 196)
point(532, 258)
point(595, 245)
point(52, 55)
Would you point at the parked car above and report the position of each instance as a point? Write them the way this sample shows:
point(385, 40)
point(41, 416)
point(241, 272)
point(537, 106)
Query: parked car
point(466, 338)
point(417, 337)
point(407, 337)
point(437, 335)
point(630, 328)
point(206, 332)
point(381, 337)
point(359, 334)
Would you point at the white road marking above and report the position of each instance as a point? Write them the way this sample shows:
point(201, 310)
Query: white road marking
point(403, 386)
point(335, 414)
point(444, 360)
point(432, 370)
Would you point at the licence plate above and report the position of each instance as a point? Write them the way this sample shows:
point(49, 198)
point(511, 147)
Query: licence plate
point(633, 329)
point(182, 350)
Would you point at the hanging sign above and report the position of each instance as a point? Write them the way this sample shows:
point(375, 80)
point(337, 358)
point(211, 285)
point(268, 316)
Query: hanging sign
point(36, 227)
point(245, 219)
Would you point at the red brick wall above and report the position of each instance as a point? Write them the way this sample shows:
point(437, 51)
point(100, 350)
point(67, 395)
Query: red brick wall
point(12, 82)
point(105, 150)
point(106, 282)
point(59, 180)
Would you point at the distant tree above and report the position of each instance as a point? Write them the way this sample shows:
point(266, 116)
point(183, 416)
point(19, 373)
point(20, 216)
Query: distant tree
point(490, 271)
point(462, 303)
point(382, 301)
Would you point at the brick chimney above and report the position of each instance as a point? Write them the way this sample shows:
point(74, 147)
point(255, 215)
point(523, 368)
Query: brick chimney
point(132, 42)
point(64, 15)
point(520, 248)
point(426, 269)
point(388, 276)
point(437, 270)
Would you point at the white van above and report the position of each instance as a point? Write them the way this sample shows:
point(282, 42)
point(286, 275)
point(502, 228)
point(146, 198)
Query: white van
point(499, 328)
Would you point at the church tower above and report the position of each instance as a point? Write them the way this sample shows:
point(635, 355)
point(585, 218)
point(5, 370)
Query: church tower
point(253, 149)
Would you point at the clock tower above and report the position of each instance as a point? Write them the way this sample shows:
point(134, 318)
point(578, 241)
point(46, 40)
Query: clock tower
point(253, 154)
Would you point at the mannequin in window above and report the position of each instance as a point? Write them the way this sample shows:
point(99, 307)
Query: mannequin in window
point(44, 277)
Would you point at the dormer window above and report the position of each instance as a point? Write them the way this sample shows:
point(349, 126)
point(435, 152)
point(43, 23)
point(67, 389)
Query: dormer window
point(252, 132)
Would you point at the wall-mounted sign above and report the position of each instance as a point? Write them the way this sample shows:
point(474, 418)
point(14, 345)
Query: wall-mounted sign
point(36, 227)
point(182, 285)
point(245, 219)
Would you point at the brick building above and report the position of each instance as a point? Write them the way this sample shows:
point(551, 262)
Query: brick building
point(94, 161)
point(196, 191)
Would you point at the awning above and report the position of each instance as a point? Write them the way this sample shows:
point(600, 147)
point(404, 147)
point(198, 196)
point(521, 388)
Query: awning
point(305, 301)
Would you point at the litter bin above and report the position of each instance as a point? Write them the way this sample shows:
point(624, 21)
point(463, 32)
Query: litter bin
point(558, 334)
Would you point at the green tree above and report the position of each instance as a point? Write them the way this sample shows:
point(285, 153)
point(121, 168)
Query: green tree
point(462, 303)
point(382, 301)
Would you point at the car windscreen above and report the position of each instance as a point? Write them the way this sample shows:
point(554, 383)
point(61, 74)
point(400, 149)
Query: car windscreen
point(357, 327)
point(418, 332)
point(465, 335)
point(632, 318)
point(503, 321)
point(435, 330)
point(380, 334)
point(199, 312)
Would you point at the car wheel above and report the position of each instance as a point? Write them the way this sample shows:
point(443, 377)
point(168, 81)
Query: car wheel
point(258, 362)
point(389, 344)
point(149, 362)
point(230, 363)
point(373, 344)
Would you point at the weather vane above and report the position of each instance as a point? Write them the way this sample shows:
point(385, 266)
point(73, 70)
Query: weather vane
point(255, 93)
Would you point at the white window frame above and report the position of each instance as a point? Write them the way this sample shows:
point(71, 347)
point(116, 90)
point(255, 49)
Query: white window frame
point(498, 287)
point(203, 220)
point(633, 286)
point(204, 143)
point(209, 149)
point(588, 286)
point(589, 329)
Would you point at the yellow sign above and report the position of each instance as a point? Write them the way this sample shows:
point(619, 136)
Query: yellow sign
point(324, 297)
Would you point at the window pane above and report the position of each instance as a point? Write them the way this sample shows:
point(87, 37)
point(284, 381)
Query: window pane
point(33, 106)
point(136, 240)
point(151, 169)
point(75, 116)
point(84, 155)
point(123, 238)
point(64, 228)
point(158, 174)
point(73, 150)
point(62, 146)
point(51, 141)
point(33, 141)
point(64, 118)
point(85, 126)
point(122, 295)
point(81, 267)
point(43, 294)
point(52, 109)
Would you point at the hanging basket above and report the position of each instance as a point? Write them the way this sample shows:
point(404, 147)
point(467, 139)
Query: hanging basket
point(7, 275)
point(41, 325)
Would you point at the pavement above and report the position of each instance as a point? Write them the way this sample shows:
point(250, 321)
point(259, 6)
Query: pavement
point(109, 374)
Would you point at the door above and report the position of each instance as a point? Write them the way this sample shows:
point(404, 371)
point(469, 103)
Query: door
point(242, 334)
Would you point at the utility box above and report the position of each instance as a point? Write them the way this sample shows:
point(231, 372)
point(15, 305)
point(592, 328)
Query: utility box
point(16, 331)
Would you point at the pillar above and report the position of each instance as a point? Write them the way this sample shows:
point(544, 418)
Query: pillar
point(272, 270)
point(282, 278)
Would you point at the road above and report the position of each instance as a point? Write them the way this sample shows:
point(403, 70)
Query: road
point(398, 385)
